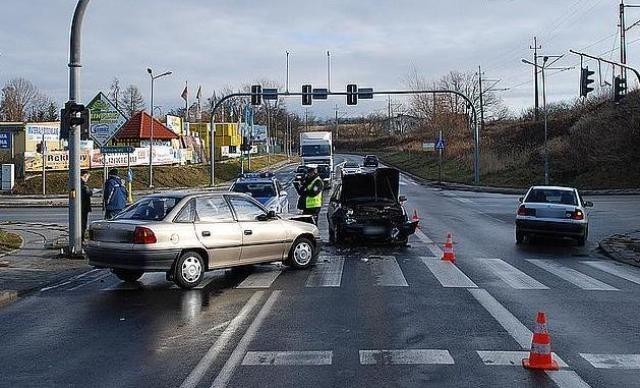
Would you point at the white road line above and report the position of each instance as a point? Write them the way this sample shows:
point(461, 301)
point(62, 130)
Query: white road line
point(406, 357)
point(68, 281)
point(260, 279)
point(238, 353)
point(511, 275)
point(463, 200)
point(288, 358)
point(214, 351)
point(508, 321)
point(613, 361)
point(566, 378)
point(514, 358)
point(326, 273)
point(205, 283)
point(387, 272)
point(435, 249)
point(447, 273)
point(617, 269)
point(572, 276)
point(104, 276)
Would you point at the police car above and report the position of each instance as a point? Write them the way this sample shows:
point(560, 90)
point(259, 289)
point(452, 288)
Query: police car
point(265, 188)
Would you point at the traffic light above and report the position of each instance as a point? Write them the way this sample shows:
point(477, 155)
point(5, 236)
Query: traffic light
point(352, 94)
point(68, 118)
point(619, 88)
point(306, 94)
point(256, 94)
point(39, 147)
point(246, 144)
point(585, 81)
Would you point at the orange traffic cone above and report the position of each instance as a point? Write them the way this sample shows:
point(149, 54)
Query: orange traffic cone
point(448, 254)
point(540, 356)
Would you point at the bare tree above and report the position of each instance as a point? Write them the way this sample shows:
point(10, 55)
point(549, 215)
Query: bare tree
point(132, 101)
point(18, 95)
point(114, 91)
point(43, 108)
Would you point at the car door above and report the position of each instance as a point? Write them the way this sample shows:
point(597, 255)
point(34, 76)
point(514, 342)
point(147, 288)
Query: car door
point(334, 204)
point(262, 239)
point(217, 230)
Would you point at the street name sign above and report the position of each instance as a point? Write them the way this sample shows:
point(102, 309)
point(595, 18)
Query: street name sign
point(106, 119)
point(116, 150)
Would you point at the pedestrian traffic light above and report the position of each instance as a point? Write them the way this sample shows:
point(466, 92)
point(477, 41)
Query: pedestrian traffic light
point(306, 94)
point(69, 118)
point(256, 94)
point(585, 81)
point(619, 88)
point(352, 94)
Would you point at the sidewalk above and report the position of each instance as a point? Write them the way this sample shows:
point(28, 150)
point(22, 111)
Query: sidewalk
point(17, 201)
point(623, 247)
point(34, 265)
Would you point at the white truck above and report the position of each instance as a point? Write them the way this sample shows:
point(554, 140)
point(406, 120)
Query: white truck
point(317, 148)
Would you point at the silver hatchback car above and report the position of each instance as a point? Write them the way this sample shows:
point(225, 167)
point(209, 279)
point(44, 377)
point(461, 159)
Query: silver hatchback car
point(186, 234)
point(553, 211)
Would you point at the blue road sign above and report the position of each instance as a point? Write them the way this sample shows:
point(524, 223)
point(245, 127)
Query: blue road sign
point(117, 150)
point(5, 140)
point(440, 144)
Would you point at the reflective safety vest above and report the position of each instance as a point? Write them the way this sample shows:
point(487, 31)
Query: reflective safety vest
point(315, 201)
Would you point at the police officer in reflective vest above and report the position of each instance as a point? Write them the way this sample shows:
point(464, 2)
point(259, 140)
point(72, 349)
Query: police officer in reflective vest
point(313, 187)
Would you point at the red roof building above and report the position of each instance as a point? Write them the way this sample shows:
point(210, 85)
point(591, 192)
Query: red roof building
point(139, 128)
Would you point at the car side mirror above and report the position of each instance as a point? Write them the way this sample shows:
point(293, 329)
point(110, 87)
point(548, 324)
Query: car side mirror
point(520, 199)
point(402, 198)
point(271, 215)
point(588, 204)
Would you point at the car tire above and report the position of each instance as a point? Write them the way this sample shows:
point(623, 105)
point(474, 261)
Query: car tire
point(189, 270)
point(127, 275)
point(582, 240)
point(519, 237)
point(301, 253)
point(332, 237)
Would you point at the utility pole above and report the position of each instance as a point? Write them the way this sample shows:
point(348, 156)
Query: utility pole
point(328, 71)
point(389, 115)
point(306, 112)
point(336, 121)
point(481, 100)
point(623, 42)
point(535, 49)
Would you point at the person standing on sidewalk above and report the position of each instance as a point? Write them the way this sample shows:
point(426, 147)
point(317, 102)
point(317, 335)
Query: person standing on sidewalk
point(85, 199)
point(313, 188)
point(114, 195)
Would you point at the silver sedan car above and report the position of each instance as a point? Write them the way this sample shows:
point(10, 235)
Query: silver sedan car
point(186, 234)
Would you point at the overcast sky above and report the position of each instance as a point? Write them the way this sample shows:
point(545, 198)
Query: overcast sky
point(373, 43)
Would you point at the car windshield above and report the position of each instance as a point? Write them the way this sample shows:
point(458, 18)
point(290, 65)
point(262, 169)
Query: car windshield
point(351, 165)
point(255, 189)
point(563, 197)
point(150, 209)
point(316, 150)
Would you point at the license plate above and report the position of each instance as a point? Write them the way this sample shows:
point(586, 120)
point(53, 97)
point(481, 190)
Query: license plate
point(374, 229)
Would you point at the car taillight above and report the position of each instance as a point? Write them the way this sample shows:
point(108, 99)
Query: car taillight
point(142, 235)
point(577, 215)
point(522, 210)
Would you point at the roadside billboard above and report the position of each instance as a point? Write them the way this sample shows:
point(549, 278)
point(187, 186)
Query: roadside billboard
point(35, 131)
point(106, 119)
point(260, 134)
point(174, 123)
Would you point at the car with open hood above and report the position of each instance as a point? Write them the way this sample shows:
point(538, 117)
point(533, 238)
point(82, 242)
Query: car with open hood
point(187, 234)
point(367, 206)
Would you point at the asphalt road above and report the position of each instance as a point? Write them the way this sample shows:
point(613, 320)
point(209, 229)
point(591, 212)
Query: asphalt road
point(364, 316)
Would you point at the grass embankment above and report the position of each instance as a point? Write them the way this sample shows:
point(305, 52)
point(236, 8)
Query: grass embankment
point(9, 241)
point(163, 176)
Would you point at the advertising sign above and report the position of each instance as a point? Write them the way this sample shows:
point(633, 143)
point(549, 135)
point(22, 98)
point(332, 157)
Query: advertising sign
point(51, 131)
point(260, 134)
point(106, 120)
point(174, 123)
point(5, 140)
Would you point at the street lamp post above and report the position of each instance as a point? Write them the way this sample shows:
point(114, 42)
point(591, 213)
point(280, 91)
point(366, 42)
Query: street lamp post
point(153, 78)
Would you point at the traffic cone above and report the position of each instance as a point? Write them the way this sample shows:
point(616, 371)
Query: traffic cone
point(540, 356)
point(448, 254)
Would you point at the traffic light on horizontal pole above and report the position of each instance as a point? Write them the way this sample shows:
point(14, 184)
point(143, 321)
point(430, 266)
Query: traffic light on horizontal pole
point(256, 94)
point(352, 94)
point(306, 94)
point(585, 81)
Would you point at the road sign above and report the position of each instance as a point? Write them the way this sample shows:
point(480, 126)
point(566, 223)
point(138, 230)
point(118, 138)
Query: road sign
point(440, 144)
point(106, 119)
point(428, 146)
point(365, 93)
point(116, 150)
point(5, 140)
point(270, 94)
point(319, 94)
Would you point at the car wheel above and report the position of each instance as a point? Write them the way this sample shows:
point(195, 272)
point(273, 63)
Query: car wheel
point(127, 275)
point(189, 270)
point(301, 253)
point(519, 237)
point(332, 237)
point(583, 239)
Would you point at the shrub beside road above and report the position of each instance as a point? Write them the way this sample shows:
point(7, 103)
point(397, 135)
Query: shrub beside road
point(9, 241)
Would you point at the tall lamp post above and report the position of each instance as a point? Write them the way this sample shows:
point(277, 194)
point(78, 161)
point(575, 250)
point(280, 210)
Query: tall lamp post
point(153, 78)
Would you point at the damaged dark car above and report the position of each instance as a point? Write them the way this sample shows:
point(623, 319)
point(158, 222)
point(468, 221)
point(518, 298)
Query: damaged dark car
point(367, 207)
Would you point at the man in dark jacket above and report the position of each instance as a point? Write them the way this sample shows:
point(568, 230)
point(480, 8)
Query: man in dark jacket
point(85, 199)
point(114, 195)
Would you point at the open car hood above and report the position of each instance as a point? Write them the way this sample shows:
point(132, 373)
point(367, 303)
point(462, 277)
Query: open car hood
point(383, 183)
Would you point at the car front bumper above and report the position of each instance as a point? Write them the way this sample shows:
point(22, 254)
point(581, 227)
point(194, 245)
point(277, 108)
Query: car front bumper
point(143, 260)
point(377, 232)
point(552, 228)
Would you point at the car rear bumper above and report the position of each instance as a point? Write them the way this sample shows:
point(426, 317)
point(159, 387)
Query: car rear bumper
point(551, 228)
point(143, 260)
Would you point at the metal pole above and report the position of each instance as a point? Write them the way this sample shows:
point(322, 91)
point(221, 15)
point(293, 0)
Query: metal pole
point(129, 178)
point(544, 106)
point(328, 71)
point(212, 144)
point(287, 87)
point(481, 100)
point(623, 41)
point(151, 137)
point(44, 166)
point(75, 222)
point(440, 160)
point(536, 111)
